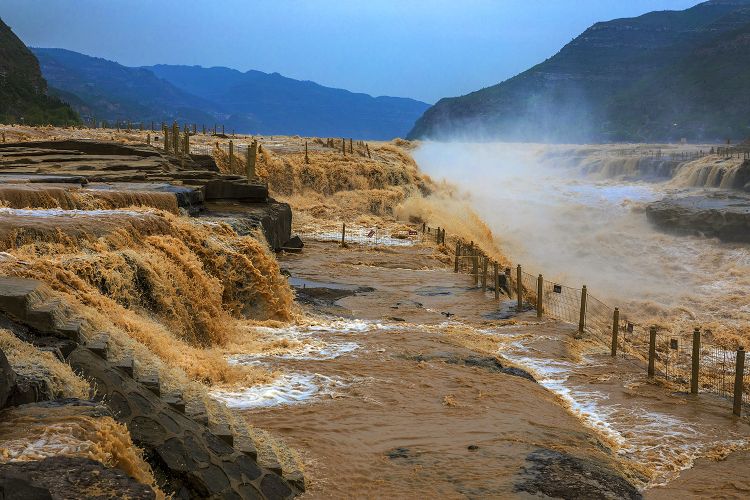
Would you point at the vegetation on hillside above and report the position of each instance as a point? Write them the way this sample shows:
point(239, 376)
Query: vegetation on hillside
point(23, 91)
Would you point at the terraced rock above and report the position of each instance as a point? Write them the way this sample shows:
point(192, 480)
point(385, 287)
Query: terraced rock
point(198, 449)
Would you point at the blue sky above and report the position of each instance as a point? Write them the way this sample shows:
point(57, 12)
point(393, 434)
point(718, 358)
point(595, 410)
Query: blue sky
point(412, 48)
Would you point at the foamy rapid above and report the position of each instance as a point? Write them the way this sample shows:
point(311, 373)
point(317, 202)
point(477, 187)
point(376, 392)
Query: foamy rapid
point(575, 229)
point(291, 388)
point(642, 434)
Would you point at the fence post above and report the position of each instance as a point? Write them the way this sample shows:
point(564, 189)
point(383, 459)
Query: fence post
point(252, 158)
point(458, 252)
point(175, 138)
point(739, 381)
point(539, 296)
point(696, 361)
point(475, 267)
point(519, 288)
point(651, 351)
point(148, 139)
point(484, 273)
point(496, 279)
point(615, 330)
point(582, 315)
point(231, 155)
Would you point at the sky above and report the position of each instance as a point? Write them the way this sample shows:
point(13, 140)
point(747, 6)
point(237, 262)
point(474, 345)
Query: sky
point(409, 48)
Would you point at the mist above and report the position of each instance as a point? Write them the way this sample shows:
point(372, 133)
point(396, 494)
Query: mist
point(578, 230)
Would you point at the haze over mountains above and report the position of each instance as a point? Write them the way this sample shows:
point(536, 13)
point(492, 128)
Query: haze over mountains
point(661, 76)
point(250, 102)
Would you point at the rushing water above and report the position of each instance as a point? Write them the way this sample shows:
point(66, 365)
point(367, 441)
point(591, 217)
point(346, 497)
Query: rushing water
point(581, 229)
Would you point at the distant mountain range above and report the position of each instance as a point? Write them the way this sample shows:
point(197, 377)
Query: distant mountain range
point(250, 102)
point(661, 76)
point(23, 90)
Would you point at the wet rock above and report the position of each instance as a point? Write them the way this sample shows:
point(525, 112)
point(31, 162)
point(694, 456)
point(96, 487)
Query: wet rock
point(723, 214)
point(486, 362)
point(295, 243)
point(29, 390)
point(188, 460)
point(205, 162)
point(7, 380)
point(472, 447)
point(273, 218)
point(68, 478)
point(559, 475)
point(221, 189)
point(396, 453)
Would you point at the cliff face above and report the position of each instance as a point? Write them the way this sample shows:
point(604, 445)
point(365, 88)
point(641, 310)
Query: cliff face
point(586, 91)
point(23, 90)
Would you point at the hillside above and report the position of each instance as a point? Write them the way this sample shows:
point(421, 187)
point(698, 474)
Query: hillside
point(274, 104)
point(106, 90)
point(23, 90)
point(585, 92)
point(251, 102)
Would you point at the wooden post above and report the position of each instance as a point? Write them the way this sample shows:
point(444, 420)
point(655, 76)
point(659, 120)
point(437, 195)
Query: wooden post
point(739, 381)
point(231, 155)
point(615, 330)
point(519, 288)
point(651, 351)
point(367, 148)
point(582, 315)
point(496, 279)
point(484, 273)
point(437, 236)
point(475, 267)
point(148, 139)
point(222, 130)
point(458, 254)
point(539, 296)
point(252, 156)
point(343, 146)
point(175, 138)
point(307, 158)
point(424, 227)
point(694, 381)
point(343, 234)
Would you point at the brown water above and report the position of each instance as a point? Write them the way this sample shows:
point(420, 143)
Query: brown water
point(372, 420)
point(581, 229)
point(383, 424)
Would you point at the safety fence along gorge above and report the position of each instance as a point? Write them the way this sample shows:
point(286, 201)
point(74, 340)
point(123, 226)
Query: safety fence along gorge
point(688, 360)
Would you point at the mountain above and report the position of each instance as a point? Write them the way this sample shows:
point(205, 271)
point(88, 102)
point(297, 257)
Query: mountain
point(660, 76)
point(250, 102)
point(23, 90)
point(105, 90)
point(274, 104)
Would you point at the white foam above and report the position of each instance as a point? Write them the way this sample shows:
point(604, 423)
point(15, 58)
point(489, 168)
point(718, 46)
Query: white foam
point(310, 350)
point(58, 212)
point(362, 238)
point(288, 389)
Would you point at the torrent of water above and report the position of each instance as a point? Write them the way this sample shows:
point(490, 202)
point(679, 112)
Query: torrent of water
point(577, 230)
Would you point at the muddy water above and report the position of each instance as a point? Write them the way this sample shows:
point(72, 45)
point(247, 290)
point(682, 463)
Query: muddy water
point(400, 414)
point(580, 229)
point(381, 407)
